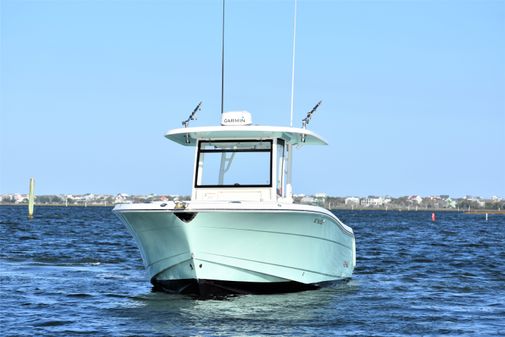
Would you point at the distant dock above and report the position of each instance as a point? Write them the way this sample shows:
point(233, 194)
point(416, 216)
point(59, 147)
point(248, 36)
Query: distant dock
point(491, 211)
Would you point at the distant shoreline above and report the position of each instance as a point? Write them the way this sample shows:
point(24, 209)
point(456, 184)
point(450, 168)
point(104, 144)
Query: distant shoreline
point(56, 205)
point(340, 208)
point(405, 203)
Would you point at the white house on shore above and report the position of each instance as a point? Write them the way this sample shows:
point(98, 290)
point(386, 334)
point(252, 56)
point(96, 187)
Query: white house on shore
point(121, 198)
point(375, 201)
point(415, 199)
point(352, 201)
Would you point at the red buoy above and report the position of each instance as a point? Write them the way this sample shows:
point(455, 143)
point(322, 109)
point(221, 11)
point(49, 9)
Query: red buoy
point(433, 217)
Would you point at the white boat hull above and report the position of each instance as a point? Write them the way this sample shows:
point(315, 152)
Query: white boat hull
point(241, 250)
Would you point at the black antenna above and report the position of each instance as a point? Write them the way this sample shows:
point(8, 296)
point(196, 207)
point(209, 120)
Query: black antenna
point(222, 66)
point(192, 117)
point(306, 120)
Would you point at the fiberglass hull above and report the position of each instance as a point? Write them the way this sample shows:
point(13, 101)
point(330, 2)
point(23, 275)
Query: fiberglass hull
point(219, 251)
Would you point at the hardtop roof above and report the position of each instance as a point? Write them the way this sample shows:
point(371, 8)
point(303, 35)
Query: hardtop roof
point(293, 136)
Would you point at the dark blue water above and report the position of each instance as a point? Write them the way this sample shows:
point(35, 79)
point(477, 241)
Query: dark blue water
point(74, 271)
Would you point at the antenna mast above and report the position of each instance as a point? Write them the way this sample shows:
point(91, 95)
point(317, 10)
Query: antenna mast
point(222, 65)
point(293, 68)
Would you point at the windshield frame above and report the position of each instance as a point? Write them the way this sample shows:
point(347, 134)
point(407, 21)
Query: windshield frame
point(200, 150)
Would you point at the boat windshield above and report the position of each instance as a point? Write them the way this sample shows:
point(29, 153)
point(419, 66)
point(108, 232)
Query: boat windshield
point(243, 163)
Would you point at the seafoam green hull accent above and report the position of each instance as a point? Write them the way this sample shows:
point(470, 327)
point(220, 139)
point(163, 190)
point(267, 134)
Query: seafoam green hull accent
point(243, 246)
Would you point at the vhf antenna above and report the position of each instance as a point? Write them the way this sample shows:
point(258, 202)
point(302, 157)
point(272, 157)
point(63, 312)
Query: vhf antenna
point(222, 63)
point(306, 120)
point(192, 117)
point(293, 70)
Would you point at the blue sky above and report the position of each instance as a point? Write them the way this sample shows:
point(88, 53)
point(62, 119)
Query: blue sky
point(413, 92)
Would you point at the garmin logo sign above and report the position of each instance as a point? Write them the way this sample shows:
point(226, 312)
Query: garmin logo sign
point(236, 118)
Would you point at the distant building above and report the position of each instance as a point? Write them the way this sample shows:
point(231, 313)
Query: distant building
point(308, 200)
point(374, 201)
point(351, 201)
point(415, 199)
point(320, 198)
point(476, 200)
point(121, 198)
point(19, 198)
point(450, 203)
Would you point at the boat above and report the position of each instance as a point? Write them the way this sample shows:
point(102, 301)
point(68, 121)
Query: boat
point(240, 232)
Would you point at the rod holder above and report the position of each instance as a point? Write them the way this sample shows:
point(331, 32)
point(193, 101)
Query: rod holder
point(192, 117)
point(306, 120)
